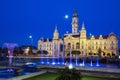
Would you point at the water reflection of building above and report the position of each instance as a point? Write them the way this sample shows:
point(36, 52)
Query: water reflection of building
point(80, 41)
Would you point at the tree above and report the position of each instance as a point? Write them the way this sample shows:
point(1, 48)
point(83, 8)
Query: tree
point(45, 52)
point(103, 53)
point(0, 50)
point(94, 53)
point(5, 51)
point(38, 52)
point(75, 52)
point(90, 53)
point(113, 55)
point(30, 50)
point(20, 51)
point(61, 47)
point(42, 52)
point(16, 51)
point(69, 74)
point(99, 52)
point(119, 51)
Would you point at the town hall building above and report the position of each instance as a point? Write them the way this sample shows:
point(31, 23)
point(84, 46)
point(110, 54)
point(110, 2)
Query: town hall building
point(79, 41)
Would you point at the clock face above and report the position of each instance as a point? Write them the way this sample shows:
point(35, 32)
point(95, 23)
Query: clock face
point(75, 25)
point(75, 20)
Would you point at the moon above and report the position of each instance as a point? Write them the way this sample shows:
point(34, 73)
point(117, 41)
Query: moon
point(66, 16)
point(30, 36)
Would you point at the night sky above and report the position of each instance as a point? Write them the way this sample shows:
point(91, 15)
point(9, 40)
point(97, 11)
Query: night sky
point(21, 18)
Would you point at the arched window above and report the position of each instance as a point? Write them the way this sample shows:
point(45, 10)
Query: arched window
point(104, 43)
point(82, 47)
point(96, 47)
point(112, 42)
point(82, 42)
point(64, 46)
point(73, 46)
point(104, 47)
point(112, 47)
point(77, 45)
point(69, 45)
point(96, 43)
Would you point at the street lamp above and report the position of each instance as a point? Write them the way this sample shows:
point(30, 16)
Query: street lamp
point(31, 39)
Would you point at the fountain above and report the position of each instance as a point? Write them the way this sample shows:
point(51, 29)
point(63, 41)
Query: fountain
point(71, 56)
point(97, 61)
point(42, 52)
point(83, 63)
point(63, 54)
point(10, 47)
point(47, 50)
point(70, 65)
point(76, 60)
point(53, 54)
point(58, 53)
point(91, 64)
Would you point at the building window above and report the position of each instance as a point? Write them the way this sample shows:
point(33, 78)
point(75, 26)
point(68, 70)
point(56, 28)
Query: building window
point(82, 42)
point(96, 47)
point(112, 47)
point(89, 47)
point(104, 43)
point(73, 46)
point(64, 46)
point(96, 43)
point(77, 45)
point(69, 45)
point(82, 47)
point(104, 47)
point(112, 42)
point(92, 47)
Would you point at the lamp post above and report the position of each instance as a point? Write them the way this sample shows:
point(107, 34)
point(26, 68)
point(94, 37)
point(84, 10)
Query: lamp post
point(31, 38)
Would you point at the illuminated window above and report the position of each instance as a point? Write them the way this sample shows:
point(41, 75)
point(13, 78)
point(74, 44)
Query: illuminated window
point(96, 43)
point(104, 47)
point(112, 42)
point(77, 45)
point(69, 45)
point(96, 47)
point(104, 43)
point(112, 47)
point(82, 47)
point(73, 46)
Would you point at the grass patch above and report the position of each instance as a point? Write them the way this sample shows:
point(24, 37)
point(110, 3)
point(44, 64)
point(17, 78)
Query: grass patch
point(52, 76)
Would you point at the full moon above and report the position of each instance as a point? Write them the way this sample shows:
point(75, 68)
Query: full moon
point(66, 16)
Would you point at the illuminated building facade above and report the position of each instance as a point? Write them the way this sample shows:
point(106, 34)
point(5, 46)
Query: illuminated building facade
point(79, 41)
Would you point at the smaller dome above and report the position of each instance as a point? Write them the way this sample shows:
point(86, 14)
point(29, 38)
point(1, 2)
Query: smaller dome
point(111, 34)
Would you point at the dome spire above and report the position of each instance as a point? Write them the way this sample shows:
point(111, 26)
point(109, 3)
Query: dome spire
point(83, 26)
point(56, 30)
point(56, 34)
point(75, 13)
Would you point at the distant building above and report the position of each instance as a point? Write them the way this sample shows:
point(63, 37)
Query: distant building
point(79, 41)
point(27, 48)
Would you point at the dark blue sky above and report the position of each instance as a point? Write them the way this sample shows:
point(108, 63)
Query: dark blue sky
point(21, 18)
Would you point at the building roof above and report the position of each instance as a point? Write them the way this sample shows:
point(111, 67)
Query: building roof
point(45, 40)
point(73, 35)
point(97, 37)
point(78, 35)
